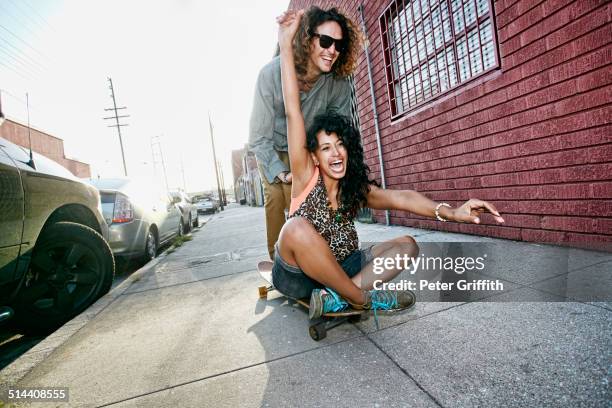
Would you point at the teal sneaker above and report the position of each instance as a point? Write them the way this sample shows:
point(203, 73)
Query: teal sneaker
point(325, 301)
point(387, 300)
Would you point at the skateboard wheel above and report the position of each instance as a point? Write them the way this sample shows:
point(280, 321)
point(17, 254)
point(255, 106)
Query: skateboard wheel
point(263, 292)
point(354, 318)
point(317, 331)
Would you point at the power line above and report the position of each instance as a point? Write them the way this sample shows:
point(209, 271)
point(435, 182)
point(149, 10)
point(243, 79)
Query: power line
point(26, 14)
point(23, 41)
point(16, 72)
point(23, 101)
point(26, 26)
point(21, 53)
point(18, 60)
point(36, 13)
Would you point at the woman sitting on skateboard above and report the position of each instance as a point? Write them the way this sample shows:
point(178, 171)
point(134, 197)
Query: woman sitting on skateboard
point(317, 253)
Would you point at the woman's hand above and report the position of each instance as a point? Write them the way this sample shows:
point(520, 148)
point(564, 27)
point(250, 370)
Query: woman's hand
point(471, 209)
point(288, 23)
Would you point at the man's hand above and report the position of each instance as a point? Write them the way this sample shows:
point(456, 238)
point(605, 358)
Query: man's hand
point(285, 177)
point(471, 209)
point(288, 23)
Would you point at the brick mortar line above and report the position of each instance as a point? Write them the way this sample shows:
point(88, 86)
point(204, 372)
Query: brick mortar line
point(533, 6)
point(544, 21)
point(513, 172)
point(507, 227)
point(457, 92)
point(516, 128)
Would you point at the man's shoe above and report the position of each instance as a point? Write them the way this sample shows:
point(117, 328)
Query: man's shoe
point(387, 300)
point(325, 301)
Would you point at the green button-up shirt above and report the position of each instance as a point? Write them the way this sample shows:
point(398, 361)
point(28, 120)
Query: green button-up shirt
point(268, 125)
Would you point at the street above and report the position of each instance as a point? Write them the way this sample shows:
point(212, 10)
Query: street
point(189, 330)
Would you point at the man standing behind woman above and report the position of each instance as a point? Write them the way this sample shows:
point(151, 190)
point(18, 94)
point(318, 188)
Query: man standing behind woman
point(325, 49)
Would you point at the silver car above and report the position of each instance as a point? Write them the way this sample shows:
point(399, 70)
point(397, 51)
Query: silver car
point(188, 209)
point(140, 217)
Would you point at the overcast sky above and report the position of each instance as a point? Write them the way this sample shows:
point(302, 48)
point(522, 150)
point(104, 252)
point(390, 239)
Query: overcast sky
point(171, 62)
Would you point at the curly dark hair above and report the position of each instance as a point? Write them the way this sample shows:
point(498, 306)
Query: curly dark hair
point(314, 17)
point(355, 185)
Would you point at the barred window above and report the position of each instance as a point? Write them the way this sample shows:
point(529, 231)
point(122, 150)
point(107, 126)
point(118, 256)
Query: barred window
point(431, 46)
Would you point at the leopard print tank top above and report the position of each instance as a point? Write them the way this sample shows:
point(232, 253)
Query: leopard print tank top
point(340, 233)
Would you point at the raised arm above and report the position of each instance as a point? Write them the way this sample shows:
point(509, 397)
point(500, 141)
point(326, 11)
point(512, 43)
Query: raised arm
point(416, 203)
point(302, 166)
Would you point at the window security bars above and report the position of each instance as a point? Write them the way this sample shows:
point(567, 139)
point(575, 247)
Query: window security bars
point(432, 46)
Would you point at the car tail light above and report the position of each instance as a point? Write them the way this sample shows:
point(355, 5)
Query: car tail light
point(124, 212)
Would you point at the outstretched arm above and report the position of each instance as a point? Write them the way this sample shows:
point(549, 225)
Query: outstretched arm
point(416, 203)
point(301, 163)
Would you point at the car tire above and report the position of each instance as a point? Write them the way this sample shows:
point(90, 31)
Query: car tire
point(71, 267)
point(151, 245)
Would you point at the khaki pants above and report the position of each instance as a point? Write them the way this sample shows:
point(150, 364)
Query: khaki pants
point(277, 198)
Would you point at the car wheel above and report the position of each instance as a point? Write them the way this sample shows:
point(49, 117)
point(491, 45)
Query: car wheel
point(71, 267)
point(196, 222)
point(150, 246)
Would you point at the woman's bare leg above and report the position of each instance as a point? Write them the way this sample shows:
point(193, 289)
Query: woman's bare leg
point(300, 244)
point(401, 246)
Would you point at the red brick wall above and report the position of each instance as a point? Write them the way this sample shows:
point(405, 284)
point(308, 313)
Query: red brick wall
point(533, 137)
point(47, 145)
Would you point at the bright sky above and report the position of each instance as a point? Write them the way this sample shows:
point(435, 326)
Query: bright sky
point(171, 62)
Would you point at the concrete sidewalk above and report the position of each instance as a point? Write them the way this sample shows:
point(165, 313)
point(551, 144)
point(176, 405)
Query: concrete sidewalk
point(190, 331)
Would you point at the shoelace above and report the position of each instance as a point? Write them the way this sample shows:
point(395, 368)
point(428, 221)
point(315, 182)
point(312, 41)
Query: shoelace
point(383, 300)
point(333, 302)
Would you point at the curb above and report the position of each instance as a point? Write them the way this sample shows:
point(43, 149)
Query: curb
point(18, 369)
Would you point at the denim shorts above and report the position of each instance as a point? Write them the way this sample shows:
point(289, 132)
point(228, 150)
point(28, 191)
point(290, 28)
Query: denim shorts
point(293, 282)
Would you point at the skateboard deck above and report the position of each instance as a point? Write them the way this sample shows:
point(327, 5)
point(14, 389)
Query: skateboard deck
point(318, 328)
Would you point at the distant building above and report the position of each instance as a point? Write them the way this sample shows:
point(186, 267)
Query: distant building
point(247, 182)
point(505, 100)
point(45, 144)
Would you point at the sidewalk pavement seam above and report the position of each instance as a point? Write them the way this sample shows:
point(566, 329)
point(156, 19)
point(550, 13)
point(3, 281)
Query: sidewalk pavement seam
point(256, 258)
point(528, 286)
point(208, 377)
point(186, 283)
point(421, 317)
point(18, 369)
point(406, 373)
point(568, 272)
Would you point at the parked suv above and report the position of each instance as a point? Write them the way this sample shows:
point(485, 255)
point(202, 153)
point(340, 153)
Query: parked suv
point(54, 260)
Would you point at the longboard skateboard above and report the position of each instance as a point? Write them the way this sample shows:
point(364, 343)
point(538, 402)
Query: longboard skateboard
point(318, 327)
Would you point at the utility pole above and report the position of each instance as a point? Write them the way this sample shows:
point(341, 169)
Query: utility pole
point(117, 124)
point(156, 143)
point(212, 141)
point(222, 183)
point(183, 173)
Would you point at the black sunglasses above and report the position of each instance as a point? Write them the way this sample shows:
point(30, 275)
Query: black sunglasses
point(325, 41)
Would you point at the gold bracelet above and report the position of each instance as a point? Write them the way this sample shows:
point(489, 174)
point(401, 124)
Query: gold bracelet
point(437, 211)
